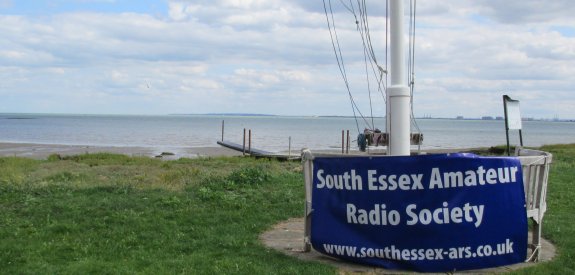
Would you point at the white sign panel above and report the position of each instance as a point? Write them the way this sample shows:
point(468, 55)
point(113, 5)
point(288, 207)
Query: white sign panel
point(513, 115)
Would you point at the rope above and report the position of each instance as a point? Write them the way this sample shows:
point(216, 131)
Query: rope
point(339, 57)
point(367, 52)
point(411, 64)
point(345, 6)
point(386, 48)
point(376, 69)
point(362, 26)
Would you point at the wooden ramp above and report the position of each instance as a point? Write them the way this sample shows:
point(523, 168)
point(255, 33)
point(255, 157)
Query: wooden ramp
point(257, 152)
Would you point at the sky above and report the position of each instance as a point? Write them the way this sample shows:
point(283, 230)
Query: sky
point(276, 57)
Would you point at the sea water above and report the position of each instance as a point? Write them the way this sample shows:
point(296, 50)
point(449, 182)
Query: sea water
point(272, 133)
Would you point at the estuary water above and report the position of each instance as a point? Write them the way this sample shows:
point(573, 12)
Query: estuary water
point(272, 133)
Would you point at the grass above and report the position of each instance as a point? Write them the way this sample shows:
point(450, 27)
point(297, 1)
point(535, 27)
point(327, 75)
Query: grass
point(558, 223)
point(112, 214)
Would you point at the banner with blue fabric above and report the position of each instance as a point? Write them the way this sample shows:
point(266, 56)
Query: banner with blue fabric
point(429, 213)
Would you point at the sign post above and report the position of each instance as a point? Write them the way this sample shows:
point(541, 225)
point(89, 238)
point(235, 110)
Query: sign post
point(512, 119)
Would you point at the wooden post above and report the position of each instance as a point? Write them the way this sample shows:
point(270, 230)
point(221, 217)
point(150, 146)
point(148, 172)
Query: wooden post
point(347, 143)
point(250, 142)
point(506, 123)
point(222, 130)
point(307, 172)
point(289, 148)
point(342, 142)
point(244, 144)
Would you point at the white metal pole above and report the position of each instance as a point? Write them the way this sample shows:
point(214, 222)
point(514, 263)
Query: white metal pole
point(399, 126)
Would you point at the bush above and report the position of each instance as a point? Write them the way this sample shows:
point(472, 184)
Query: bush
point(249, 176)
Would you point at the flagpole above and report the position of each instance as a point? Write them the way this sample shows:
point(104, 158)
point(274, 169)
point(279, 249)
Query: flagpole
point(398, 96)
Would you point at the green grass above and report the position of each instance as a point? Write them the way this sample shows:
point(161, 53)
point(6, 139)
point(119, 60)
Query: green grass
point(112, 214)
point(558, 222)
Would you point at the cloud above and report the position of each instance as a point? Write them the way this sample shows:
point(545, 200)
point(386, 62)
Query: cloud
point(530, 11)
point(5, 4)
point(276, 57)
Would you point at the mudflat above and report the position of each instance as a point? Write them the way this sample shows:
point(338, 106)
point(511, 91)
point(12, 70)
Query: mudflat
point(42, 151)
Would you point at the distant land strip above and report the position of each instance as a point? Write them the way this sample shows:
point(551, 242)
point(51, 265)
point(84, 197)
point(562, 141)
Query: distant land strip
point(381, 117)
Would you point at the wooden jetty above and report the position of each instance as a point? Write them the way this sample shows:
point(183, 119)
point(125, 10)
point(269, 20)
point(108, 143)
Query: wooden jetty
point(257, 152)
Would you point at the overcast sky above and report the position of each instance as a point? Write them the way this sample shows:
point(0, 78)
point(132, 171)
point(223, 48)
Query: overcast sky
point(276, 57)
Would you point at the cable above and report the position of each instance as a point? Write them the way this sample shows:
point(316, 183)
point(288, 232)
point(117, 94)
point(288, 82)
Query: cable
point(343, 4)
point(411, 64)
point(376, 69)
point(362, 26)
point(363, 29)
point(339, 58)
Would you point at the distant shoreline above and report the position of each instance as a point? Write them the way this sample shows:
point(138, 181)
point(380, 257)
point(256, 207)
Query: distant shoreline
point(486, 118)
point(17, 116)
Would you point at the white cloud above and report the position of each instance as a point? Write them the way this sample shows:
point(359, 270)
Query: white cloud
point(531, 11)
point(6, 3)
point(267, 56)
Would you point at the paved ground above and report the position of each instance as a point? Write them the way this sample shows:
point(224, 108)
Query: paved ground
point(287, 237)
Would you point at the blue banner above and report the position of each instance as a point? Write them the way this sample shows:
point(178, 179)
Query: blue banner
point(429, 213)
